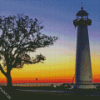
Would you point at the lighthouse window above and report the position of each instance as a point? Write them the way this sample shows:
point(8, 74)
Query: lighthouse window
point(84, 17)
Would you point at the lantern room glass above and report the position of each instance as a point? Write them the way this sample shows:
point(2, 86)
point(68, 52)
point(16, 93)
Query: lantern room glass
point(81, 17)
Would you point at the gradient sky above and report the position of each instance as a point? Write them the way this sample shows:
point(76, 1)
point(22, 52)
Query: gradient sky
point(57, 18)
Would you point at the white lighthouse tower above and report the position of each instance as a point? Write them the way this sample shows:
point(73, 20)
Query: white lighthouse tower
point(83, 74)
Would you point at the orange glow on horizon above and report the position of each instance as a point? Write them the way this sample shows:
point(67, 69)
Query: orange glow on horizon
point(51, 71)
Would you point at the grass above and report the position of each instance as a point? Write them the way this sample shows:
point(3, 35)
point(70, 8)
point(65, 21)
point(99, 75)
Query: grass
point(23, 95)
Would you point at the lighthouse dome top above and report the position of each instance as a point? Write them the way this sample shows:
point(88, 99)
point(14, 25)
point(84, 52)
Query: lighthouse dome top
point(82, 12)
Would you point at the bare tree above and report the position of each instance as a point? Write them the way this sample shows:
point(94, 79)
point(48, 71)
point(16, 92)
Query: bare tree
point(20, 35)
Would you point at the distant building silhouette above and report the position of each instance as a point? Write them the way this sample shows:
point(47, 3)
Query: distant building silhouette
point(36, 79)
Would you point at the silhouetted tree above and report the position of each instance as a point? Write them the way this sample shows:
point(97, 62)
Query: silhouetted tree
point(20, 35)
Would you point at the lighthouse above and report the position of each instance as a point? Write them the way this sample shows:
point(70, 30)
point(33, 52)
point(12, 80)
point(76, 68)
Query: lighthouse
point(83, 71)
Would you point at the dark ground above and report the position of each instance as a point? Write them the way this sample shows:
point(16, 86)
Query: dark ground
point(65, 94)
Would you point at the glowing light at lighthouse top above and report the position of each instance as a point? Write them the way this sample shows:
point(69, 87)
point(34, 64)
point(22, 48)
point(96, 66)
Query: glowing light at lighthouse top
point(82, 18)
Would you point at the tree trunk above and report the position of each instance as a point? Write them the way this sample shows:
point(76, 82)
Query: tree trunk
point(8, 76)
point(9, 79)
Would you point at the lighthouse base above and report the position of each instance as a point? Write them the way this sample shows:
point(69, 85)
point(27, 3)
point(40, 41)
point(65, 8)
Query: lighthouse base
point(84, 86)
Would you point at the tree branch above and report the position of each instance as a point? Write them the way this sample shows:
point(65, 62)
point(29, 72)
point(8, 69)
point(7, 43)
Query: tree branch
point(20, 44)
point(3, 70)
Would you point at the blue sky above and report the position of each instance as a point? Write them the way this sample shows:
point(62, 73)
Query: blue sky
point(57, 17)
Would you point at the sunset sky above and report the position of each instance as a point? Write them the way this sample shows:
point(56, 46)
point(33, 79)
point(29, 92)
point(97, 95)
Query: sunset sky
point(57, 18)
